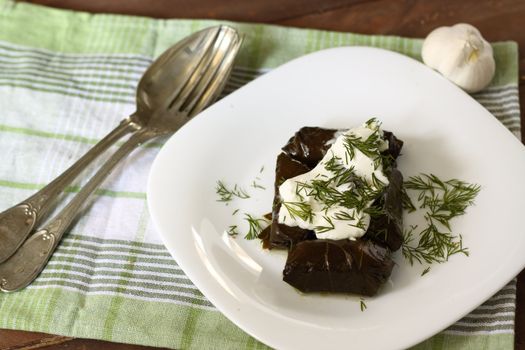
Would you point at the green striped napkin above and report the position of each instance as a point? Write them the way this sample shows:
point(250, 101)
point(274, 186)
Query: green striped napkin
point(66, 79)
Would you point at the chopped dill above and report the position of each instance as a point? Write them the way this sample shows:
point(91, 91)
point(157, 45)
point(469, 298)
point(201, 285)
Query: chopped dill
point(235, 211)
point(322, 229)
point(359, 224)
point(442, 201)
point(448, 198)
point(362, 304)
point(344, 215)
point(366, 146)
point(425, 271)
point(407, 202)
point(262, 169)
point(340, 186)
point(255, 226)
point(299, 210)
point(232, 230)
point(226, 195)
point(256, 185)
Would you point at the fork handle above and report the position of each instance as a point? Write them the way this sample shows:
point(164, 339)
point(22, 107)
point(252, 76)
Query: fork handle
point(29, 260)
point(16, 223)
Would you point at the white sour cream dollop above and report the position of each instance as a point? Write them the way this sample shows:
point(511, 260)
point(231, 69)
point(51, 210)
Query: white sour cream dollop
point(336, 221)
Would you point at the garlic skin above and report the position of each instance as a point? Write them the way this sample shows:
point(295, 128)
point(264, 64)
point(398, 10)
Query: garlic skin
point(461, 54)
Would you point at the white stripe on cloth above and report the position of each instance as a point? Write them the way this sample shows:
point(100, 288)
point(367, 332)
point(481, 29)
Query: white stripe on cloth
point(137, 297)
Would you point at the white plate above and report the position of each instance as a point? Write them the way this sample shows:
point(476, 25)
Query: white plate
point(445, 131)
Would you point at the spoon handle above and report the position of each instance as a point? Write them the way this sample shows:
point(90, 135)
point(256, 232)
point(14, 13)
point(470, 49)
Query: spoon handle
point(29, 260)
point(16, 223)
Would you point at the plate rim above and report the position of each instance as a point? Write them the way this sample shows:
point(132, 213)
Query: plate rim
point(204, 287)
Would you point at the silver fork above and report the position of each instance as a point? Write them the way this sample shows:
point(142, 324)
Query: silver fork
point(165, 77)
point(203, 86)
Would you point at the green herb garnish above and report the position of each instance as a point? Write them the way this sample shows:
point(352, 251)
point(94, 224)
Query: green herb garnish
point(442, 201)
point(322, 229)
point(255, 226)
point(299, 210)
point(445, 199)
point(256, 185)
point(232, 230)
point(341, 186)
point(362, 305)
point(407, 202)
point(367, 146)
point(226, 194)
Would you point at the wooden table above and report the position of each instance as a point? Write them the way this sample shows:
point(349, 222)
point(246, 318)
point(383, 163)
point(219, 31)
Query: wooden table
point(497, 20)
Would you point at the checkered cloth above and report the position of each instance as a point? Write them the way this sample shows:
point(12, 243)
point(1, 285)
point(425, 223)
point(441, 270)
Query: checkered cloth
point(66, 79)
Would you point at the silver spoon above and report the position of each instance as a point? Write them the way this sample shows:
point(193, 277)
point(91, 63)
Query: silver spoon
point(162, 80)
point(202, 87)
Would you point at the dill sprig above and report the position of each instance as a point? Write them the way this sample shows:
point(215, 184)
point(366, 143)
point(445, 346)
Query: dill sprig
point(458, 195)
point(362, 304)
point(359, 224)
point(255, 226)
point(344, 215)
point(341, 173)
point(442, 201)
point(232, 230)
point(256, 185)
point(406, 201)
point(419, 253)
point(299, 210)
point(328, 227)
point(320, 190)
point(358, 195)
point(226, 195)
point(369, 146)
point(366, 146)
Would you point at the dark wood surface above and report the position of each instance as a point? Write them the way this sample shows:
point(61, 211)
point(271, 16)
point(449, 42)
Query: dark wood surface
point(497, 20)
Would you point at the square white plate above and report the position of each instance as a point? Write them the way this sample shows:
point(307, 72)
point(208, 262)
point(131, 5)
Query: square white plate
point(446, 133)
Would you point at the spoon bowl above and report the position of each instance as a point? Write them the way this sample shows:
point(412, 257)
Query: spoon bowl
point(170, 72)
point(161, 83)
point(202, 85)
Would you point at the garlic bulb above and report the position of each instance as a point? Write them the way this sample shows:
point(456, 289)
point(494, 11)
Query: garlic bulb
point(461, 54)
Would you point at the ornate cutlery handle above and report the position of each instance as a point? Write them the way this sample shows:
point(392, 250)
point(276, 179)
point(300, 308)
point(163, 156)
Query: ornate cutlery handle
point(16, 223)
point(29, 260)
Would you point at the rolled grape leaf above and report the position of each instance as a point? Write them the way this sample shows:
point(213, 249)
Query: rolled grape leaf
point(309, 145)
point(387, 227)
point(338, 266)
point(301, 154)
point(282, 236)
